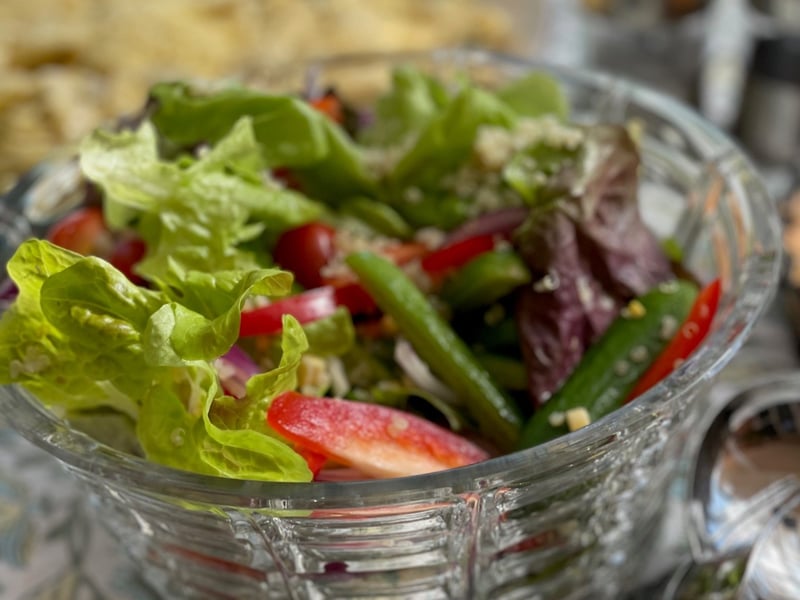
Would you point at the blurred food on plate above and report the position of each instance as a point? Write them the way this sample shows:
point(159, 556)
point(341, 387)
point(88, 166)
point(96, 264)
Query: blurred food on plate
point(68, 65)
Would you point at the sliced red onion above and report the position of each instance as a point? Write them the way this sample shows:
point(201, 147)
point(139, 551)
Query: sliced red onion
point(502, 221)
point(235, 367)
point(418, 372)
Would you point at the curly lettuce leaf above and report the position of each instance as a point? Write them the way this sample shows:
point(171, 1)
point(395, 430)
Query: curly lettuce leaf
point(535, 95)
point(333, 335)
point(447, 140)
point(81, 336)
point(186, 437)
point(202, 322)
point(193, 214)
point(289, 132)
point(411, 103)
point(58, 368)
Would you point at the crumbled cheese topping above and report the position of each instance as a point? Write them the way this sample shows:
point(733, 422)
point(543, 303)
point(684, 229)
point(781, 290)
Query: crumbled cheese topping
point(556, 419)
point(577, 418)
point(634, 310)
point(494, 146)
point(312, 375)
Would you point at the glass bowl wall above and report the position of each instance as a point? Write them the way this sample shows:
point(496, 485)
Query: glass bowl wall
point(566, 519)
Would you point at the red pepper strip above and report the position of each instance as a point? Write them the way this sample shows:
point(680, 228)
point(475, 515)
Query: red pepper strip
point(377, 440)
point(305, 307)
point(401, 254)
point(692, 332)
point(314, 460)
point(457, 254)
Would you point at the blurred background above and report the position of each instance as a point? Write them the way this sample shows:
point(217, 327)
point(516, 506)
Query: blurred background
point(66, 65)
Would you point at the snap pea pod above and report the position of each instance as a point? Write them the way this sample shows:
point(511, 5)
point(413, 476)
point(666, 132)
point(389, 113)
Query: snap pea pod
point(485, 279)
point(438, 345)
point(611, 367)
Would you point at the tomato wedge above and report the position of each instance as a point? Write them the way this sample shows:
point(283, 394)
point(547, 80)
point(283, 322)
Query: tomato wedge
point(304, 251)
point(693, 330)
point(457, 254)
point(377, 440)
point(83, 231)
point(308, 306)
point(127, 253)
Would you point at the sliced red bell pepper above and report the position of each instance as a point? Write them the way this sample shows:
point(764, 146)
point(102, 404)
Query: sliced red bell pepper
point(308, 306)
point(377, 440)
point(457, 254)
point(314, 460)
point(693, 330)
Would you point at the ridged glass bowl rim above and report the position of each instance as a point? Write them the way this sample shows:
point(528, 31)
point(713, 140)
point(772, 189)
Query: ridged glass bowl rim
point(758, 279)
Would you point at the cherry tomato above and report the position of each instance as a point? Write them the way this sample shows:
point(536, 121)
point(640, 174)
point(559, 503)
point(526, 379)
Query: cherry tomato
point(83, 231)
point(457, 254)
point(355, 298)
point(377, 440)
point(330, 106)
point(305, 250)
point(126, 255)
point(306, 307)
point(693, 330)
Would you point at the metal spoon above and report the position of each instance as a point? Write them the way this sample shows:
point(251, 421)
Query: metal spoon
point(744, 490)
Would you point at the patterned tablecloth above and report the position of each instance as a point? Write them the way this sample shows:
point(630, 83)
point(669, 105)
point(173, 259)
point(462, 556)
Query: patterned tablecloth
point(50, 548)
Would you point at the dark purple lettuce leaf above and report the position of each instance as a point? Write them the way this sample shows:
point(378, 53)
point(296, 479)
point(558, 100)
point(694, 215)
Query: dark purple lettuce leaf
point(589, 253)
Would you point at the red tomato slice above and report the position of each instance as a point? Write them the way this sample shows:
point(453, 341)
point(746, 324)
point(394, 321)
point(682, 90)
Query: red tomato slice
point(306, 307)
point(305, 250)
point(83, 231)
point(377, 440)
point(692, 332)
point(126, 254)
point(457, 254)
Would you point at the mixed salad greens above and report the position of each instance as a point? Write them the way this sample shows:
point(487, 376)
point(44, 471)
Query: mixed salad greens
point(285, 288)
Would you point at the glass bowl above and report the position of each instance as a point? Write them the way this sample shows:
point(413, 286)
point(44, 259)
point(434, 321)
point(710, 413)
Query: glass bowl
point(570, 518)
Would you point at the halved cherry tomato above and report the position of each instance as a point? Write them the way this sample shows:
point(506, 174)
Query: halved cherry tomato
point(457, 254)
point(377, 440)
point(305, 250)
point(693, 330)
point(126, 254)
point(305, 307)
point(83, 231)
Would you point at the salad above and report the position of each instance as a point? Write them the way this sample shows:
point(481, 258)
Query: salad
point(290, 287)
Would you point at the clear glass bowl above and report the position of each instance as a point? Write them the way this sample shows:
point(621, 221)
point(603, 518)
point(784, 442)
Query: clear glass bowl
point(568, 519)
